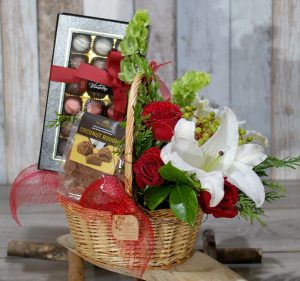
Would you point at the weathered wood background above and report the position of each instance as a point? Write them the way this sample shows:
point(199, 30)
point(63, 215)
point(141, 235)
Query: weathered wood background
point(252, 49)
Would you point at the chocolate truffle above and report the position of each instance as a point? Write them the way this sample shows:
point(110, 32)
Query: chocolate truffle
point(99, 63)
point(105, 154)
point(74, 89)
point(81, 43)
point(85, 148)
point(110, 112)
point(75, 61)
point(66, 128)
point(102, 46)
point(72, 106)
point(94, 159)
point(94, 107)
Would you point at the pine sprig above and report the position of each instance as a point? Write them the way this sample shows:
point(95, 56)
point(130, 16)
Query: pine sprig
point(276, 186)
point(273, 162)
point(61, 118)
point(273, 196)
point(248, 210)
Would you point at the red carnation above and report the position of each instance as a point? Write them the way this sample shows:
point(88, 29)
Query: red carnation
point(146, 168)
point(226, 208)
point(162, 117)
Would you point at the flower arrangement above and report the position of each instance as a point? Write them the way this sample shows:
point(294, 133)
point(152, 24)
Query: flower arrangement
point(188, 155)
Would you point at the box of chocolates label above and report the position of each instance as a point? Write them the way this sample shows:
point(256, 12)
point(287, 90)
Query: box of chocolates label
point(96, 143)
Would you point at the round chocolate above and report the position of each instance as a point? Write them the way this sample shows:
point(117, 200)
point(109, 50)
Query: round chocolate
point(99, 63)
point(66, 128)
point(94, 107)
point(75, 61)
point(74, 89)
point(102, 46)
point(72, 106)
point(81, 43)
point(110, 112)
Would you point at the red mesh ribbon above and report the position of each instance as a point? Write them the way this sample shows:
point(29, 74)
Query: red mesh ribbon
point(107, 194)
point(110, 78)
point(33, 187)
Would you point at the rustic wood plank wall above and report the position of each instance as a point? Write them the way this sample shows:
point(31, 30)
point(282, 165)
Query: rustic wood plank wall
point(233, 40)
point(286, 82)
point(20, 84)
point(3, 175)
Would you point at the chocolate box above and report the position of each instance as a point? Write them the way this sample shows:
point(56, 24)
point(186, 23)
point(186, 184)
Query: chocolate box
point(78, 39)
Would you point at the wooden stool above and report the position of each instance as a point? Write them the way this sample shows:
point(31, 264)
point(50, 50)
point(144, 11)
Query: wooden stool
point(200, 267)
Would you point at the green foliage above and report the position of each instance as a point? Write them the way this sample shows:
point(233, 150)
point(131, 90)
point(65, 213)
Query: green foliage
point(184, 203)
point(185, 88)
point(276, 186)
point(273, 196)
point(134, 47)
point(154, 195)
point(248, 210)
point(172, 174)
point(61, 118)
point(273, 162)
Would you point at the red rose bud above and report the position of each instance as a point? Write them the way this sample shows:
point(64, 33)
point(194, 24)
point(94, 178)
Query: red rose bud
point(226, 208)
point(162, 117)
point(146, 168)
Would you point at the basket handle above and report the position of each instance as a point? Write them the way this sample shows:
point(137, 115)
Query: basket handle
point(129, 132)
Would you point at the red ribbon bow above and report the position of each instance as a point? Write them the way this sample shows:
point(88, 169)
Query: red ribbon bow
point(162, 86)
point(109, 78)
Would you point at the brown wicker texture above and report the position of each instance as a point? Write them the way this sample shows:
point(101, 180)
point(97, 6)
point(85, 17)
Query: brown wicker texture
point(174, 240)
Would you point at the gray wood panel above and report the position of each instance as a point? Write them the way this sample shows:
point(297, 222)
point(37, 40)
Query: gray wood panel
point(109, 9)
point(162, 43)
point(286, 83)
point(203, 44)
point(250, 63)
point(3, 176)
point(47, 14)
point(22, 106)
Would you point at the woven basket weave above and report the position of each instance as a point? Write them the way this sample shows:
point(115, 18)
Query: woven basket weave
point(174, 240)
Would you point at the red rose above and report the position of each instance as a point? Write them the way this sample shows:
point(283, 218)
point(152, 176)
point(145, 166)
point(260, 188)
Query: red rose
point(226, 208)
point(146, 168)
point(162, 117)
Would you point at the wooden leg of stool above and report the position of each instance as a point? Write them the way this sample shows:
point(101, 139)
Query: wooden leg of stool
point(76, 267)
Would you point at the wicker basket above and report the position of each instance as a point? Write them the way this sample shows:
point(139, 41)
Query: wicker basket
point(174, 240)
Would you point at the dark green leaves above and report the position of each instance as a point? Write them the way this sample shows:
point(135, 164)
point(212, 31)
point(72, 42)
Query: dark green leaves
point(184, 203)
point(156, 195)
point(172, 174)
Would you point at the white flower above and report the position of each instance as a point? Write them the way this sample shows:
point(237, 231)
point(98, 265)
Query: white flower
point(219, 157)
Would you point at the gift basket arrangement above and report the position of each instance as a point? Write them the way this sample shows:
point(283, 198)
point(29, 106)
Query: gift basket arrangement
point(135, 184)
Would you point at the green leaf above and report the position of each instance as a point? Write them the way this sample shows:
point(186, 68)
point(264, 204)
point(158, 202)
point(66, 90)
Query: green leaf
point(171, 173)
point(155, 195)
point(184, 203)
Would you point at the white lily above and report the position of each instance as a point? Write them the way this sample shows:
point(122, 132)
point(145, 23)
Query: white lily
point(219, 157)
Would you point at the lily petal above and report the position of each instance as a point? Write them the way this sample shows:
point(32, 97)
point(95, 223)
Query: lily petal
point(185, 129)
point(250, 154)
point(213, 182)
point(257, 137)
point(225, 139)
point(244, 178)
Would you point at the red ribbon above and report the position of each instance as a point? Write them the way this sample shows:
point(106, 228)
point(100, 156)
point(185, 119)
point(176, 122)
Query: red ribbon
point(162, 86)
point(109, 78)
